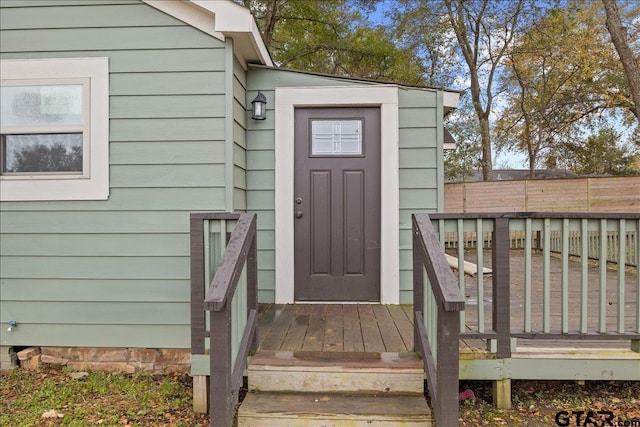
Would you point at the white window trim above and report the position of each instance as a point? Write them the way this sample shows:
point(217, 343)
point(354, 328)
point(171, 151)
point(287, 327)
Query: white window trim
point(95, 186)
point(287, 99)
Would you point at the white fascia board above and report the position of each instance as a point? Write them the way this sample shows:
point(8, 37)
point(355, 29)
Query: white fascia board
point(197, 17)
point(450, 99)
point(220, 19)
point(235, 18)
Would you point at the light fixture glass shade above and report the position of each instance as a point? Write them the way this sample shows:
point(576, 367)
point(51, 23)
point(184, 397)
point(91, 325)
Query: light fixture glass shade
point(259, 107)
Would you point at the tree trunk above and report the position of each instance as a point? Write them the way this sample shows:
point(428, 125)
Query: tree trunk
point(271, 21)
point(619, 38)
point(486, 161)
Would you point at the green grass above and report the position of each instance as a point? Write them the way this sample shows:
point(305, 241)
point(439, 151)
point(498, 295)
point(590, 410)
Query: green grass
point(107, 399)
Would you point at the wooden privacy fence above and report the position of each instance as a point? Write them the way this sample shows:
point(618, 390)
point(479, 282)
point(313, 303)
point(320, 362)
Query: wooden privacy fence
point(437, 304)
point(593, 307)
point(604, 194)
point(230, 303)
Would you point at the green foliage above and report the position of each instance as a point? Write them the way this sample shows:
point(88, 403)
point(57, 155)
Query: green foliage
point(462, 162)
point(540, 77)
point(332, 37)
point(600, 154)
point(562, 76)
point(420, 27)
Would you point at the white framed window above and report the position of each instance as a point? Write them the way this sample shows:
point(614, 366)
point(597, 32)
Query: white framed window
point(54, 129)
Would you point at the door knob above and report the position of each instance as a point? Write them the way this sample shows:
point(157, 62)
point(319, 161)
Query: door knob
point(298, 214)
point(298, 200)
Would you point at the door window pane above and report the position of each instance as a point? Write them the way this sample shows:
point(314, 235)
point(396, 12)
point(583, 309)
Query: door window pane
point(336, 137)
point(32, 153)
point(41, 105)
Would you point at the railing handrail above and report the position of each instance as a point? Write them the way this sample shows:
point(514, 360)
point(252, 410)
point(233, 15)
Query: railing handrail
point(441, 368)
point(625, 225)
point(443, 282)
point(225, 281)
point(198, 327)
point(240, 251)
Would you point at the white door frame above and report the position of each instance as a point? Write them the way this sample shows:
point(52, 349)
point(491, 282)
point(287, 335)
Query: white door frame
point(287, 99)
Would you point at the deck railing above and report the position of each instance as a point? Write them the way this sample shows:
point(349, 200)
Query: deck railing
point(578, 301)
point(437, 303)
point(612, 240)
point(230, 303)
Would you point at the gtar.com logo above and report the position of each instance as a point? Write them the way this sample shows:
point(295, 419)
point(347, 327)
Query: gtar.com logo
point(599, 418)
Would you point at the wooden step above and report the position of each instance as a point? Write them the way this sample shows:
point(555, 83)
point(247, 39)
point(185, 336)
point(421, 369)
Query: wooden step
point(332, 409)
point(387, 373)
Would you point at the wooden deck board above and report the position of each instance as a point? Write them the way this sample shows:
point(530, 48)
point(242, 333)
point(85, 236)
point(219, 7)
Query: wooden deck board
point(279, 328)
point(352, 333)
point(403, 324)
point(335, 328)
point(315, 332)
point(370, 332)
point(390, 335)
point(297, 329)
point(333, 332)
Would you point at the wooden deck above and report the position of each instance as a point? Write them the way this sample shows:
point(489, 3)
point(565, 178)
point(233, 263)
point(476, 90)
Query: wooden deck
point(352, 328)
point(575, 294)
point(374, 328)
point(341, 328)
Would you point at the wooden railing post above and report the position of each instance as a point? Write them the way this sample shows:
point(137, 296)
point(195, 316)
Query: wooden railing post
point(252, 285)
point(443, 372)
point(418, 289)
point(501, 287)
point(240, 252)
point(448, 367)
point(222, 397)
point(197, 285)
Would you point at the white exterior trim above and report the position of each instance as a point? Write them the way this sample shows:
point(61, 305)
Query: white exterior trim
point(287, 99)
point(221, 19)
point(96, 185)
point(450, 99)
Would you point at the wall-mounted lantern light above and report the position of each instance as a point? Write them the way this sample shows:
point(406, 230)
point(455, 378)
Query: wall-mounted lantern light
point(259, 107)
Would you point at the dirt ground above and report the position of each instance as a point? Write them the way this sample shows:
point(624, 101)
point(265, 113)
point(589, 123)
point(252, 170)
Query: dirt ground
point(143, 400)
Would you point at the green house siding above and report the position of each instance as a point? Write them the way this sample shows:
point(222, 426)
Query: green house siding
point(420, 160)
point(421, 169)
point(239, 128)
point(116, 272)
point(261, 165)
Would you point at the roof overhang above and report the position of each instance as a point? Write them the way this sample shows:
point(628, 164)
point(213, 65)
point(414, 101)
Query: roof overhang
point(450, 101)
point(221, 19)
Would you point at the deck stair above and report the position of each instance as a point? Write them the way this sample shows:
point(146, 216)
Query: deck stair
point(326, 389)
